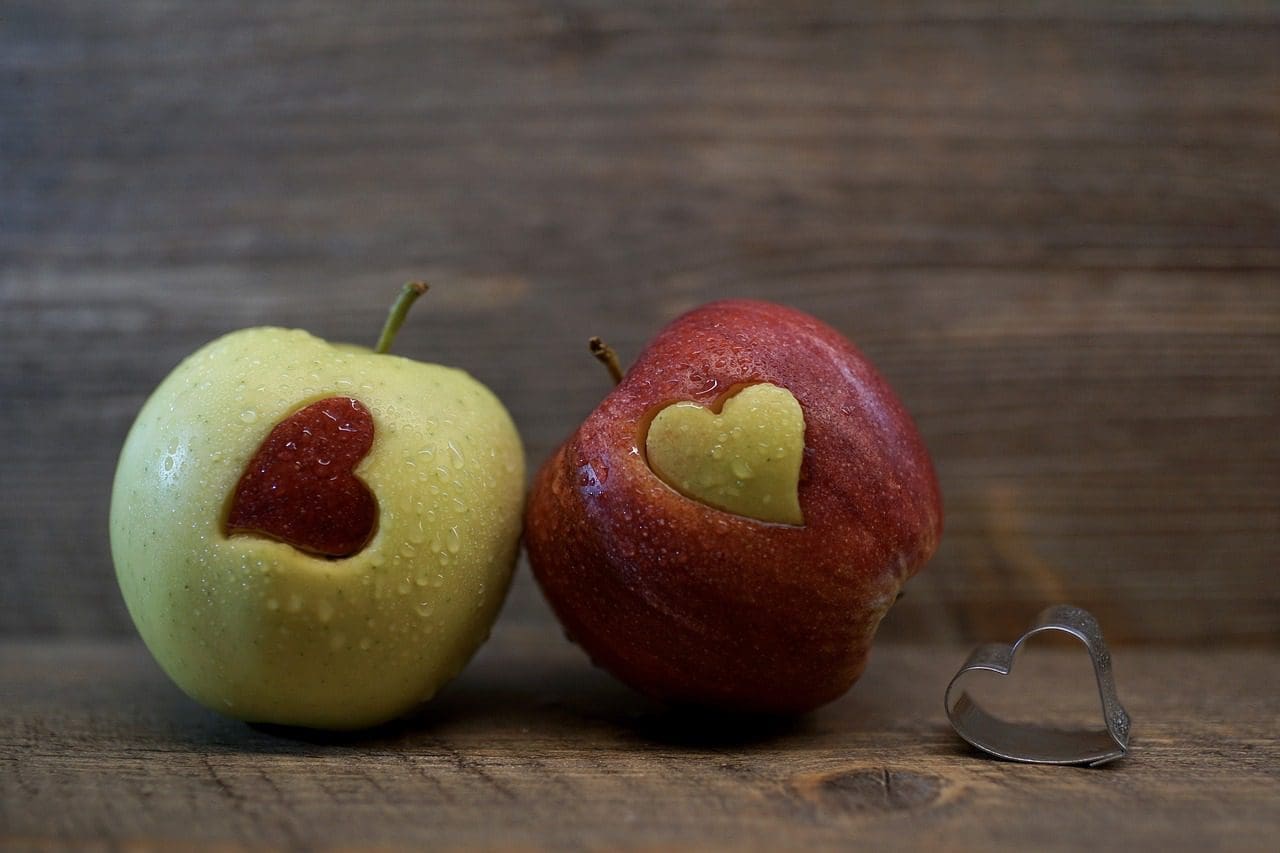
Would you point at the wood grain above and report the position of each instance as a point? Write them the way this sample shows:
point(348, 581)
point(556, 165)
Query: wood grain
point(532, 748)
point(1055, 226)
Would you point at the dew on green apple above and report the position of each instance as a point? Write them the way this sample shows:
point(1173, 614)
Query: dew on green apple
point(324, 610)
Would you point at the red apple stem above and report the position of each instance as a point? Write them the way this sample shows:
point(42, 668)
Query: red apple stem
point(399, 310)
point(606, 356)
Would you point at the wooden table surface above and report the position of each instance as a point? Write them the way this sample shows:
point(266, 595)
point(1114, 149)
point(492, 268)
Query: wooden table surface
point(532, 747)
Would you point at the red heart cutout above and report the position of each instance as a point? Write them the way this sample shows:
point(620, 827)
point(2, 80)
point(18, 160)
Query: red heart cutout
point(300, 487)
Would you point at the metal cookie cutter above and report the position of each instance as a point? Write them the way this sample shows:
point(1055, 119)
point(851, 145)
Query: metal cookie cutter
point(1036, 744)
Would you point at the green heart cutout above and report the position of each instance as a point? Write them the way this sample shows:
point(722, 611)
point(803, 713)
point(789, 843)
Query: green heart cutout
point(744, 459)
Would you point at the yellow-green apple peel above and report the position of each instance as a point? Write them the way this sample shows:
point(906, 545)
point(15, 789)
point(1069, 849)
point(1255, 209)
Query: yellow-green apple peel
point(264, 631)
point(744, 459)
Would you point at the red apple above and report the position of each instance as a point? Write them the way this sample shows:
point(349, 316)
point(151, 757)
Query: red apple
point(685, 579)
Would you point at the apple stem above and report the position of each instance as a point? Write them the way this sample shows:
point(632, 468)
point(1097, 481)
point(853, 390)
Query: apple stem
point(606, 356)
point(399, 310)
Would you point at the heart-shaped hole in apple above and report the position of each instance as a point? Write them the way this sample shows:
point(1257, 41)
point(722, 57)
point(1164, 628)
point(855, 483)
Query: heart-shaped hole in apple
point(742, 455)
point(300, 487)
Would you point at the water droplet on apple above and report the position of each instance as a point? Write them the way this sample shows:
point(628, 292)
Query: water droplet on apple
point(403, 587)
point(366, 644)
point(454, 539)
point(458, 459)
point(273, 604)
point(324, 610)
point(295, 603)
point(248, 416)
point(742, 469)
point(424, 609)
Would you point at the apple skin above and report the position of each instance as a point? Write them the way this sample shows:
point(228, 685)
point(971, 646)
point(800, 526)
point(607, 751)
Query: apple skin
point(263, 632)
point(693, 605)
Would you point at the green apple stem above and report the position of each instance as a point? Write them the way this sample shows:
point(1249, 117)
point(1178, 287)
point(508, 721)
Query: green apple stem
point(399, 310)
point(606, 356)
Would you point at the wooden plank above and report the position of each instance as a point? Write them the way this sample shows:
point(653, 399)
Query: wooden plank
point(534, 748)
point(1056, 228)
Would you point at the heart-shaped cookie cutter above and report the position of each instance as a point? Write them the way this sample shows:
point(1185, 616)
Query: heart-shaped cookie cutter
point(1037, 744)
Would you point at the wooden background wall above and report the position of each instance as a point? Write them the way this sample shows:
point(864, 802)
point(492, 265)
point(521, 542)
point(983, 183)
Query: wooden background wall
point(1056, 229)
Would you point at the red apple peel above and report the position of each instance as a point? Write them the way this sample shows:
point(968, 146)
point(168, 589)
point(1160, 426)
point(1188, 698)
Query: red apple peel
point(301, 488)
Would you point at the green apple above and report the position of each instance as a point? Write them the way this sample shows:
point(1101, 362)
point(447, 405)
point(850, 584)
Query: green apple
point(268, 629)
